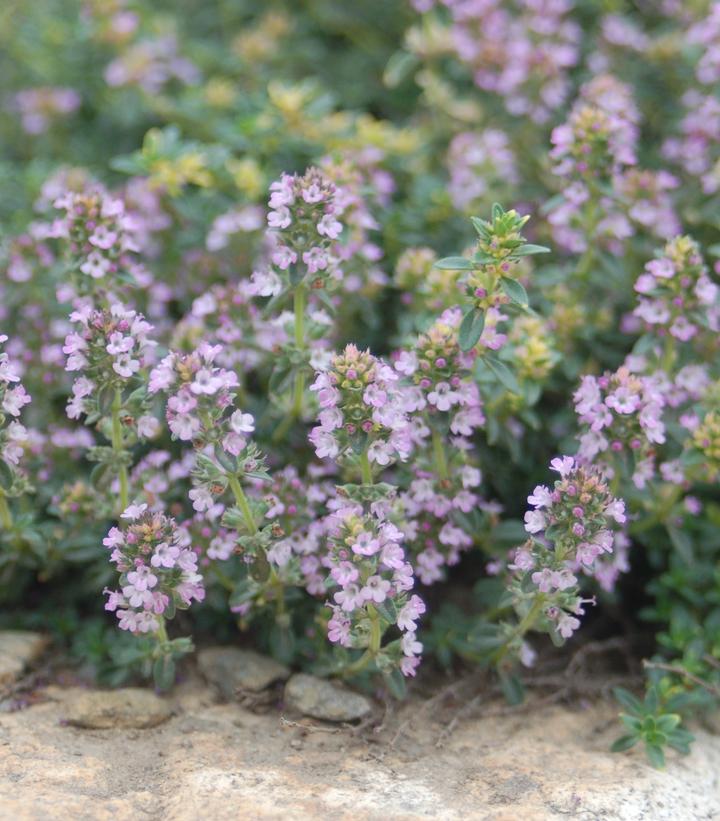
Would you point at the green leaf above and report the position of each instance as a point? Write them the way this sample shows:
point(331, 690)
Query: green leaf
point(682, 542)
point(454, 264)
point(279, 378)
point(625, 742)
point(655, 755)
point(386, 611)
point(497, 211)
point(483, 228)
point(243, 593)
point(668, 722)
point(395, 681)
point(164, 672)
point(282, 643)
point(6, 476)
point(630, 702)
point(399, 68)
point(260, 568)
point(632, 723)
point(529, 249)
point(514, 290)
point(513, 690)
point(502, 372)
point(471, 329)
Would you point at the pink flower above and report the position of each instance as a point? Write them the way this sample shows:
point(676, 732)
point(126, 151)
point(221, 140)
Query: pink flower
point(376, 589)
point(410, 613)
point(133, 512)
point(534, 521)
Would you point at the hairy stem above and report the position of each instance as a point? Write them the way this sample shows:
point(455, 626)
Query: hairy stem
point(439, 457)
point(117, 446)
point(525, 624)
point(295, 412)
point(243, 504)
point(365, 469)
point(161, 632)
point(373, 646)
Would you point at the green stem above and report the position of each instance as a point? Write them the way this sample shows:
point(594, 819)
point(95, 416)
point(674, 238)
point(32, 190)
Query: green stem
point(668, 358)
point(365, 469)
point(117, 446)
point(6, 518)
point(161, 632)
point(295, 412)
point(373, 646)
point(243, 504)
point(591, 222)
point(279, 588)
point(439, 456)
point(525, 624)
point(299, 303)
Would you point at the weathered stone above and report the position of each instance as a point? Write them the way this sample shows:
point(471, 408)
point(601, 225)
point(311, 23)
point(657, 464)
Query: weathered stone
point(128, 708)
point(18, 649)
point(543, 763)
point(233, 670)
point(322, 699)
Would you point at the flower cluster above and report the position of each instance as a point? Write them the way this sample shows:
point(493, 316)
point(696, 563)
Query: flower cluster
point(706, 33)
point(706, 440)
point(363, 408)
point(521, 51)
point(433, 537)
point(296, 504)
point(13, 397)
point(571, 527)
point(442, 373)
point(98, 233)
point(357, 253)
point(151, 64)
point(479, 163)
point(676, 294)
point(227, 315)
point(110, 348)
point(158, 570)
point(695, 147)
point(368, 564)
point(39, 107)
point(600, 135)
point(649, 202)
point(622, 413)
point(200, 393)
point(592, 152)
point(304, 226)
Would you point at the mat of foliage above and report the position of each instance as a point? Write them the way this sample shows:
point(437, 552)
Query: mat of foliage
point(380, 336)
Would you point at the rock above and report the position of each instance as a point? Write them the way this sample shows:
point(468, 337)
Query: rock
point(543, 763)
point(322, 699)
point(233, 670)
point(128, 708)
point(18, 649)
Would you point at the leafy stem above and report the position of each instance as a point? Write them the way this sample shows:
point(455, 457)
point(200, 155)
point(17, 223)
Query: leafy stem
point(525, 624)
point(439, 457)
point(117, 446)
point(6, 518)
point(242, 503)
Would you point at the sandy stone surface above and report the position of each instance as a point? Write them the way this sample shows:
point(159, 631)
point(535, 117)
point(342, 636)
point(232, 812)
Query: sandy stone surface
point(18, 649)
point(221, 761)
